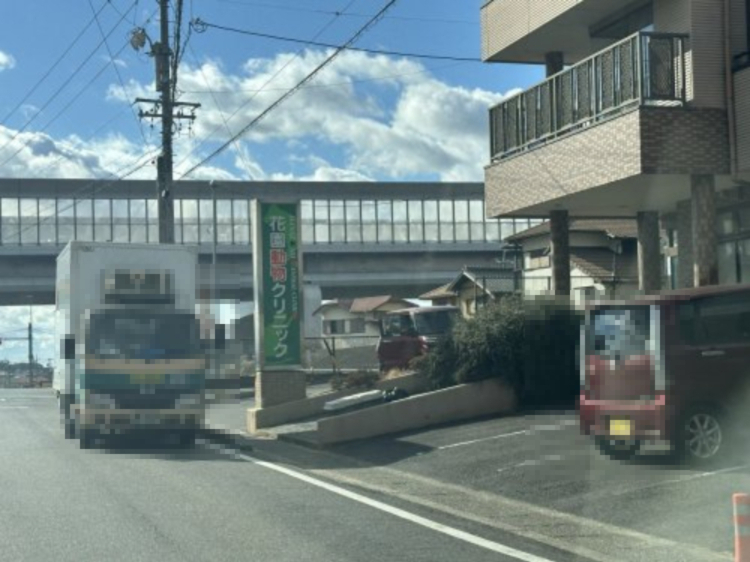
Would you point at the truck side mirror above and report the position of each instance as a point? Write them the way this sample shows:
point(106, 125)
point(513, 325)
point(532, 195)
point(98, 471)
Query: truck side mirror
point(69, 348)
point(220, 339)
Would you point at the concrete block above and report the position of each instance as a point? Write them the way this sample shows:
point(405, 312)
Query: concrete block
point(452, 404)
point(278, 387)
point(290, 412)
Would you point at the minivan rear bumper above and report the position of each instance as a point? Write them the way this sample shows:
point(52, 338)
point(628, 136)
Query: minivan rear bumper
point(648, 420)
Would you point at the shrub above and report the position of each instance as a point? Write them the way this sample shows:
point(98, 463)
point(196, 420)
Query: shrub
point(531, 344)
point(357, 380)
point(438, 367)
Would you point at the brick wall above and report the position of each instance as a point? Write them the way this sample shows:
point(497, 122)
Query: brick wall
point(565, 166)
point(649, 140)
point(684, 141)
point(506, 21)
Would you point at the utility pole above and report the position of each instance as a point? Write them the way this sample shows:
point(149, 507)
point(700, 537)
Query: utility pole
point(166, 79)
point(31, 354)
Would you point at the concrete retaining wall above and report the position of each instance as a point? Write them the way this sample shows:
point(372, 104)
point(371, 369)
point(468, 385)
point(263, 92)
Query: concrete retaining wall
point(452, 404)
point(290, 412)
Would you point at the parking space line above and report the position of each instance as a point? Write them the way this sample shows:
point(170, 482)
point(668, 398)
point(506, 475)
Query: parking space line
point(462, 443)
point(532, 429)
point(677, 480)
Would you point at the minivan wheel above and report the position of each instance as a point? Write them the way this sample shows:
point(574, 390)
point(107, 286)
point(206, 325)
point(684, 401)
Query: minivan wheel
point(618, 449)
point(702, 436)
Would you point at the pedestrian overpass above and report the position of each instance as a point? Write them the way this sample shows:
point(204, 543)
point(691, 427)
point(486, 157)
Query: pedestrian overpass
point(359, 238)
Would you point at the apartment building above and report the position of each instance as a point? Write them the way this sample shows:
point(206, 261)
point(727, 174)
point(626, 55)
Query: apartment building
point(644, 114)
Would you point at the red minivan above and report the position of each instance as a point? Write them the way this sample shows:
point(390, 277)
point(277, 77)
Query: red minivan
point(672, 367)
point(408, 333)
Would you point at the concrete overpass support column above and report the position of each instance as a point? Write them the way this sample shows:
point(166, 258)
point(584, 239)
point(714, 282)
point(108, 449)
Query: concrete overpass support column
point(560, 242)
point(554, 62)
point(684, 226)
point(703, 205)
point(649, 255)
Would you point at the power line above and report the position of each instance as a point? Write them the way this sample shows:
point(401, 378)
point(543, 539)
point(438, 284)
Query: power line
point(54, 65)
point(350, 14)
point(117, 70)
point(202, 25)
point(267, 82)
point(65, 83)
point(380, 78)
point(362, 30)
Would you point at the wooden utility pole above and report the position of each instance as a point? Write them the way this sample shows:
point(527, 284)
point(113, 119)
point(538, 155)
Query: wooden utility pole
point(163, 108)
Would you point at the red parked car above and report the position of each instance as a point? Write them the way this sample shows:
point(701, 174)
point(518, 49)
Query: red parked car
point(408, 333)
point(673, 367)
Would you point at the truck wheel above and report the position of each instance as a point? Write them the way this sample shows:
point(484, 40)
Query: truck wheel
point(69, 424)
point(86, 438)
point(617, 449)
point(187, 439)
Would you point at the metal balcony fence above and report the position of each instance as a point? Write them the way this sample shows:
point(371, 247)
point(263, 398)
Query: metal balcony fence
point(643, 69)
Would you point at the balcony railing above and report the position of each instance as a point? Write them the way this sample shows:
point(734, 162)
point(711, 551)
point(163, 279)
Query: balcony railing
point(643, 69)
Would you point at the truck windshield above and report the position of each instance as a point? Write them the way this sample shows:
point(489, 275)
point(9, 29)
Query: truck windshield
point(620, 332)
point(133, 335)
point(434, 323)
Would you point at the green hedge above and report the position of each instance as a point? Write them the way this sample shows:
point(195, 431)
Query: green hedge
point(531, 344)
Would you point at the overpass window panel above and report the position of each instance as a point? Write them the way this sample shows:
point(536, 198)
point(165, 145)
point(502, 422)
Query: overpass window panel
point(476, 220)
point(10, 221)
point(431, 223)
point(447, 231)
point(152, 221)
point(189, 221)
point(206, 221)
point(102, 220)
point(29, 221)
point(241, 215)
point(138, 223)
point(338, 223)
point(321, 222)
point(369, 222)
point(492, 229)
point(416, 222)
point(47, 212)
point(461, 218)
point(354, 221)
point(65, 221)
point(384, 212)
point(224, 218)
point(84, 216)
point(400, 222)
point(507, 228)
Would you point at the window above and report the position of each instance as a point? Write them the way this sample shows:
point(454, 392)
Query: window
point(537, 259)
point(716, 320)
point(357, 326)
point(334, 327)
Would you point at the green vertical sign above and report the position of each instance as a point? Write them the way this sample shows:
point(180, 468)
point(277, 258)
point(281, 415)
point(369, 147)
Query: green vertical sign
point(279, 297)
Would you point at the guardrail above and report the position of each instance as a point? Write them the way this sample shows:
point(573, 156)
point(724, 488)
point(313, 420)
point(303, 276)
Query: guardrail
point(645, 68)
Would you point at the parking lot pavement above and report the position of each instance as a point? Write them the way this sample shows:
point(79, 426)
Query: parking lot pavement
point(543, 459)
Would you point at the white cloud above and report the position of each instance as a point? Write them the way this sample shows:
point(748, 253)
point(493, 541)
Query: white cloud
point(7, 61)
point(363, 117)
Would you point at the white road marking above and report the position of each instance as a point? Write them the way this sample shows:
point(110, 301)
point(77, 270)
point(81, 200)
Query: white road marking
point(532, 429)
point(676, 480)
point(462, 443)
point(401, 513)
point(532, 462)
point(14, 407)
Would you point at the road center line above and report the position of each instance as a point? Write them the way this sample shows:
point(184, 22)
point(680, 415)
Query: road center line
point(403, 514)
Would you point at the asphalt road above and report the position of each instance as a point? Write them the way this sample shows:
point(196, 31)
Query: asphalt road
point(150, 502)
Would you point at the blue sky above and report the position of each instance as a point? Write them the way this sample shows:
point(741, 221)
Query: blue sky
point(366, 116)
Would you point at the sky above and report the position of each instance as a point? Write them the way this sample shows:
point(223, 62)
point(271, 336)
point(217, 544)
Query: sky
point(69, 77)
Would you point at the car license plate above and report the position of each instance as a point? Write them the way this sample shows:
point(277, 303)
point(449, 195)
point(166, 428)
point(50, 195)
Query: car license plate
point(620, 428)
point(147, 378)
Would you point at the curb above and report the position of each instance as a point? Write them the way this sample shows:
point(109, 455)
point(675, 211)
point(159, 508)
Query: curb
point(225, 436)
point(294, 439)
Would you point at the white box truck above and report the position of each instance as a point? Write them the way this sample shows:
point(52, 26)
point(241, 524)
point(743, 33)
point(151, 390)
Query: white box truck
point(131, 355)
